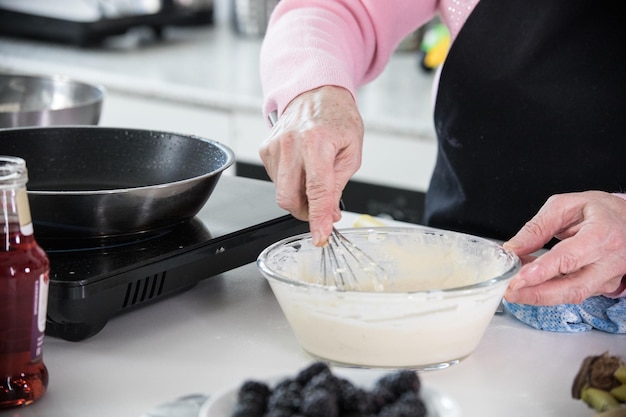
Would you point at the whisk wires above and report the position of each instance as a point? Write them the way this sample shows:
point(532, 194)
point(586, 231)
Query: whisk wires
point(346, 266)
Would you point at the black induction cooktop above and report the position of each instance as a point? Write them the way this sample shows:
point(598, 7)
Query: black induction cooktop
point(95, 279)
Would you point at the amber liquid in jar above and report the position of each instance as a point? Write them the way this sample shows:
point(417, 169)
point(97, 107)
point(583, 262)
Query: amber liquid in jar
point(24, 282)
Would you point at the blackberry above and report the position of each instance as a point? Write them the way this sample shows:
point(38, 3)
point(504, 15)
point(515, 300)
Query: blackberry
point(382, 396)
point(400, 382)
point(353, 399)
point(357, 414)
point(326, 380)
point(251, 399)
point(255, 387)
point(408, 405)
point(391, 386)
point(249, 410)
point(286, 396)
point(319, 402)
point(279, 412)
point(304, 376)
point(316, 392)
point(288, 384)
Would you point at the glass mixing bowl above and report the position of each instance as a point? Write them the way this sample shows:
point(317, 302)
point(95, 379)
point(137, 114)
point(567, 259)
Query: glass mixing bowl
point(444, 289)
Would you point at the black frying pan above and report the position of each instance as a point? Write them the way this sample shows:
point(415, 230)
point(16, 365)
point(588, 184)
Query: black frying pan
point(94, 181)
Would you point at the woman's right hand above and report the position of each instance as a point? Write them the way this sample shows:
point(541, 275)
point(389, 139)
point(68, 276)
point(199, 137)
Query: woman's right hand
point(312, 151)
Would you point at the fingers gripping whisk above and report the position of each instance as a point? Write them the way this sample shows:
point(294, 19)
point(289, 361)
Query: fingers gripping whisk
point(346, 266)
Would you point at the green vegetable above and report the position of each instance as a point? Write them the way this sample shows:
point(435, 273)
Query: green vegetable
point(615, 412)
point(619, 393)
point(602, 372)
point(620, 374)
point(598, 399)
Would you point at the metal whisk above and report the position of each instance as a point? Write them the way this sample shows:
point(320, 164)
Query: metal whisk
point(346, 266)
point(343, 264)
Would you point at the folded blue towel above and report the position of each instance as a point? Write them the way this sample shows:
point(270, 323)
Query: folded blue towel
point(599, 312)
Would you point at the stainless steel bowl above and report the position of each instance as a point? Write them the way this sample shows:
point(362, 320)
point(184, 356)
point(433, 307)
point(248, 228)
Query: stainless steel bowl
point(27, 100)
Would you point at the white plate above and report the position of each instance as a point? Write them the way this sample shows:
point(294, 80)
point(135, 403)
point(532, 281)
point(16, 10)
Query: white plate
point(437, 403)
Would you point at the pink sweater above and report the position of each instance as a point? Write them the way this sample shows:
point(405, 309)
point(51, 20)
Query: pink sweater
point(351, 40)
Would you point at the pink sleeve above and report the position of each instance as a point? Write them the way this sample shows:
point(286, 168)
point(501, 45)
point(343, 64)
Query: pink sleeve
point(311, 43)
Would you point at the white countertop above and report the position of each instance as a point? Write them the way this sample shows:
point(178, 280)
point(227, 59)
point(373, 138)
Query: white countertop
point(230, 327)
point(213, 67)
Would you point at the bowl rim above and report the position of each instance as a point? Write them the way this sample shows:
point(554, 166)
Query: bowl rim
point(226, 152)
point(97, 91)
point(508, 274)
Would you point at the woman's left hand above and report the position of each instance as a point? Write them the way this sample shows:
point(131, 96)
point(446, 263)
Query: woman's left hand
point(590, 258)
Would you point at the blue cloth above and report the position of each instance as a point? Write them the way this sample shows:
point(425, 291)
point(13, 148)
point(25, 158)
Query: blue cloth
point(599, 312)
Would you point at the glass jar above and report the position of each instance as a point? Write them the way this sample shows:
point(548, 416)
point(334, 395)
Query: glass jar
point(24, 280)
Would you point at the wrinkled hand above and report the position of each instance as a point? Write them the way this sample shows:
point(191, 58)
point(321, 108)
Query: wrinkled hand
point(590, 258)
point(311, 153)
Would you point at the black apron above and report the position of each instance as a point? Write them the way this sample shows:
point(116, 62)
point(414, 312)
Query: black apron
point(531, 102)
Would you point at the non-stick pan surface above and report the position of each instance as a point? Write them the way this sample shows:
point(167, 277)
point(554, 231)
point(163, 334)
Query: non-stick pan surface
point(93, 181)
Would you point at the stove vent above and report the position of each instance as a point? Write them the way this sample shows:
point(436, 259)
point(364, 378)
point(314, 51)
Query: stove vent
point(144, 289)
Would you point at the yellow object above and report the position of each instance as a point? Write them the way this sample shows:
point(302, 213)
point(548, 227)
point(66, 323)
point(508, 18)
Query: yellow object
point(598, 399)
point(365, 220)
point(435, 56)
point(620, 374)
point(615, 412)
point(619, 393)
point(435, 45)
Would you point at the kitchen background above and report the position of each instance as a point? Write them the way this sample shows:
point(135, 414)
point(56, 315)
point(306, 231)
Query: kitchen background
point(198, 74)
